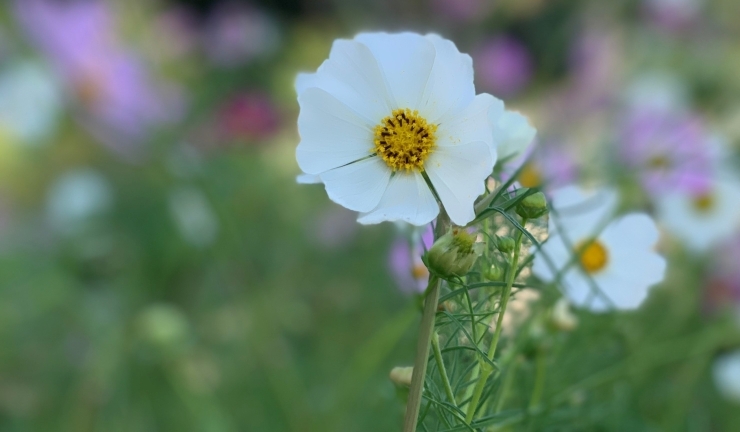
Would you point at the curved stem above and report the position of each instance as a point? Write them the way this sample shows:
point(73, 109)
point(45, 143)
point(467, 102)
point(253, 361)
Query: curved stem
point(442, 371)
point(486, 369)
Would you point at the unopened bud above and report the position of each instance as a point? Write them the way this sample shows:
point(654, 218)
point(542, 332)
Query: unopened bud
point(562, 318)
point(532, 206)
point(454, 253)
point(401, 376)
point(493, 273)
point(505, 244)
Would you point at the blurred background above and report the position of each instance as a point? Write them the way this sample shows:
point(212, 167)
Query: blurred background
point(160, 270)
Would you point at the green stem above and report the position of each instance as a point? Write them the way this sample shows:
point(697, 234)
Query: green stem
point(426, 329)
point(487, 369)
point(539, 380)
point(422, 354)
point(442, 370)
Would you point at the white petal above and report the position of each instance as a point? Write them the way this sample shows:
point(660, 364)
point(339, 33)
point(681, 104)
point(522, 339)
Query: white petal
point(458, 175)
point(470, 124)
point(358, 186)
point(581, 212)
point(558, 254)
point(407, 198)
point(332, 135)
point(352, 75)
point(450, 87)
point(307, 179)
point(512, 133)
point(634, 231)
point(627, 280)
point(406, 60)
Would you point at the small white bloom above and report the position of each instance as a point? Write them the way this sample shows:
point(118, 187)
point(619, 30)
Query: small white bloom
point(194, 216)
point(612, 268)
point(76, 197)
point(562, 316)
point(30, 102)
point(385, 113)
point(726, 372)
point(703, 219)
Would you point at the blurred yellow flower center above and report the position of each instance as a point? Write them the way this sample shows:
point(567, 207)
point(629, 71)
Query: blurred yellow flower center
point(704, 202)
point(530, 176)
point(405, 140)
point(593, 256)
point(419, 271)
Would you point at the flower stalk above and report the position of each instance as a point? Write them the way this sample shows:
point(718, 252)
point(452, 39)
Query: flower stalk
point(426, 329)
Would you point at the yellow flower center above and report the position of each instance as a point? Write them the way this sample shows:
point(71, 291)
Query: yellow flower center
point(419, 271)
point(405, 140)
point(703, 203)
point(530, 176)
point(593, 256)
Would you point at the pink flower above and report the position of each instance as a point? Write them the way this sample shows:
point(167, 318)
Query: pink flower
point(548, 166)
point(250, 115)
point(120, 102)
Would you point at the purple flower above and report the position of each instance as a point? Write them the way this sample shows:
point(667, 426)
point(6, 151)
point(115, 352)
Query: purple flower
point(668, 150)
point(119, 100)
point(503, 66)
point(405, 263)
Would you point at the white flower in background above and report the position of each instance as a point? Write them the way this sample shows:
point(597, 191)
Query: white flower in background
point(702, 219)
point(195, 219)
point(30, 102)
point(601, 270)
point(512, 133)
point(657, 91)
point(726, 372)
point(388, 115)
point(75, 198)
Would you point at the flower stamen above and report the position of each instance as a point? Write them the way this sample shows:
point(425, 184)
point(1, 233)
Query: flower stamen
point(404, 140)
point(593, 256)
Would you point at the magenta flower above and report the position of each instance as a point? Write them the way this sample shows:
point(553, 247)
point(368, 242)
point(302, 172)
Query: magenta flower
point(722, 289)
point(673, 15)
point(503, 66)
point(668, 150)
point(405, 263)
point(120, 102)
point(250, 115)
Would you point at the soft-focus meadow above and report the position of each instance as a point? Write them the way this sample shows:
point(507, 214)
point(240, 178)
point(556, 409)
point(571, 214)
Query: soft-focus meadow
point(161, 270)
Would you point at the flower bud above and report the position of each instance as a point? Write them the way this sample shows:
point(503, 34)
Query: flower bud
point(532, 206)
point(493, 273)
point(505, 244)
point(562, 318)
point(454, 253)
point(401, 376)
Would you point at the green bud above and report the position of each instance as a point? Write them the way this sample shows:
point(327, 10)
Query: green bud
point(533, 206)
point(493, 273)
point(505, 244)
point(454, 254)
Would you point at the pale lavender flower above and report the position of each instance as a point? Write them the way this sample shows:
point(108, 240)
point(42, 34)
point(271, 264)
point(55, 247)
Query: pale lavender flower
point(121, 102)
point(669, 151)
point(236, 33)
point(405, 262)
point(503, 66)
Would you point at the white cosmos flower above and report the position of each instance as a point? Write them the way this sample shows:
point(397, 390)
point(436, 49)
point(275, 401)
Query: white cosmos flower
point(601, 269)
point(703, 219)
point(387, 112)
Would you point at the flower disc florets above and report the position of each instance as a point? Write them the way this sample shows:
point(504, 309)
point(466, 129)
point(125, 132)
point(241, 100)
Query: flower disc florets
point(404, 140)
